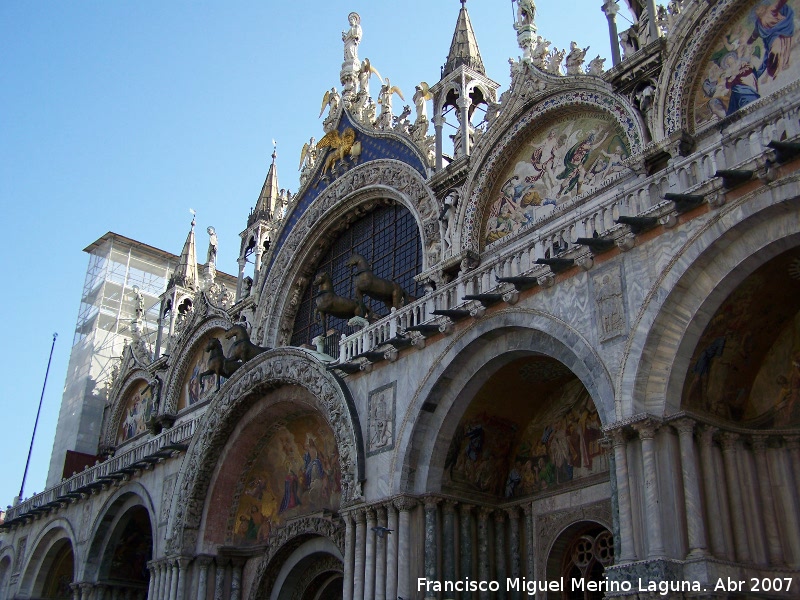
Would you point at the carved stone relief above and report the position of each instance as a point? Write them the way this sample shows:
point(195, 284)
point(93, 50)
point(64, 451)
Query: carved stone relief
point(609, 303)
point(381, 419)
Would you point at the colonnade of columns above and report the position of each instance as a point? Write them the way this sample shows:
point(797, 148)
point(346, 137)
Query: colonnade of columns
point(458, 541)
point(734, 483)
point(102, 591)
point(181, 578)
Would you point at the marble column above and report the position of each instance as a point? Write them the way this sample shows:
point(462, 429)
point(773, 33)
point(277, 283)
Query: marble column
point(741, 544)
point(349, 543)
point(369, 568)
point(513, 547)
point(380, 554)
point(183, 574)
point(86, 591)
point(483, 548)
point(527, 509)
point(500, 572)
point(166, 583)
point(449, 541)
point(766, 510)
point(654, 528)
point(431, 547)
point(465, 540)
point(173, 589)
point(713, 506)
point(76, 591)
point(219, 579)
point(151, 584)
point(391, 551)
point(611, 8)
point(793, 447)
point(695, 525)
point(237, 567)
point(360, 550)
point(790, 503)
point(404, 586)
point(203, 561)
point(627, 552)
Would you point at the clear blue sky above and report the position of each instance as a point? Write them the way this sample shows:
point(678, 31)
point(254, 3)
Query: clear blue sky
point(122, 115)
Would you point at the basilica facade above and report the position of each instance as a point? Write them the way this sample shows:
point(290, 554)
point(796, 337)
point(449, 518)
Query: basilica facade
point(556, 352)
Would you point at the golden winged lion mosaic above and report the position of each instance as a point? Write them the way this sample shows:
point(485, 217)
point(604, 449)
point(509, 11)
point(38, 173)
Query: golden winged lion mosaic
point(342, 145)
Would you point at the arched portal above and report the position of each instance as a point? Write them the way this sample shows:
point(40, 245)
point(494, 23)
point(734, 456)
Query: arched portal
point(5, 573)
point(51, 568)
point(582, 552)
point(310, 570)
point(130, 547)
point(60, 574)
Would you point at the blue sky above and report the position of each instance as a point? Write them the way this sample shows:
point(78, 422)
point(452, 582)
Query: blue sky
point(121, 115)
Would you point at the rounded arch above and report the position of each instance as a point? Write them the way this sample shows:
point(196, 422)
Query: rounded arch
point(180, 365)
point(295, 563)
point(106, 526)
point(270, 370)
point(136, 381)
point(681, 75)
point(358, 190)
point(702, 273)
point(49, 544)
point(468, 362)
point(581, 550)
point(6, 564)
point(517, 130)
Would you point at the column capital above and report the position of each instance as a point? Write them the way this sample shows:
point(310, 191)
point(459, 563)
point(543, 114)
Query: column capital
point(359, 516)
point(512, 512)
point(204, 560)
point(405, 503)
point(527, 508)
point(792, 442)
point(707, 435)
point(484, 512)
point(646, 429)
point(183, 561)
point(610, 8)
point(619, 437)
point(759, 443)
point(729, 440)
point(449, 507)
point(370, 513)
point(380, 511)
point(431, 502)
point(465, 509)
point(684, 425)
point(499, 516)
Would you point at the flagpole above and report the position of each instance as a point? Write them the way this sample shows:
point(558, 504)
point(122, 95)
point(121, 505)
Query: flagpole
point(36, 423)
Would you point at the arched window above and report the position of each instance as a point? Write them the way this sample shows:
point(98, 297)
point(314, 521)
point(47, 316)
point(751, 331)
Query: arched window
point(388, 238)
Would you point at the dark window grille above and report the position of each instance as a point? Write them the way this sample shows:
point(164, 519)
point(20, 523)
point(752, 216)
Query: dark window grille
point(388, 238)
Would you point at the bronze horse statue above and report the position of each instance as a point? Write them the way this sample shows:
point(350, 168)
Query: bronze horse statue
point(217, 363)
point(367, 283)
point(242, 349)
point(329, 304)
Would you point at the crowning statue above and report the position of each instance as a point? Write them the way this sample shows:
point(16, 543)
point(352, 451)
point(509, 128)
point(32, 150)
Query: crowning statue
point(308, 158)
point(385, 100)
point(211, 257)
point(574, 60)
point(351, 65)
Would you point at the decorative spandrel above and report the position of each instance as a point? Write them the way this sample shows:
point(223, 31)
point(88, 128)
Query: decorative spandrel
point(564, 159)
point(751, 59)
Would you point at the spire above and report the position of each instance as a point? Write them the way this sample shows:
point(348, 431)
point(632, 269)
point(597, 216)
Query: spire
point(269, 192)
point(186, 272)
point(464, 47)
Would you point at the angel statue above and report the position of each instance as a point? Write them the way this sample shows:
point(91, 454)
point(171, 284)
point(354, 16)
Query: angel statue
point(332, 99)
point(211, 257)
point(308, 158)
point(364, 74)
point(421, 96)
point(556, 56)
point(352, 37)
point(385, 100)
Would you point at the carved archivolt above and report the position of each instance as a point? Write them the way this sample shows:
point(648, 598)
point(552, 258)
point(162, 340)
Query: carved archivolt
point(680, 72)
point(472, 213)
point(373, 181)
point(290, 537)
point(289, 366)
point(177, 369)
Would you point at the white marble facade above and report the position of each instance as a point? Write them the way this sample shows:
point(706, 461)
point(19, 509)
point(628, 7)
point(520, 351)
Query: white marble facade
point(625, 410)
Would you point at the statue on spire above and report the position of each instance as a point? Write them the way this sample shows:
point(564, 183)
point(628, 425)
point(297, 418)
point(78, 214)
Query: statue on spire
point(352, 37)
